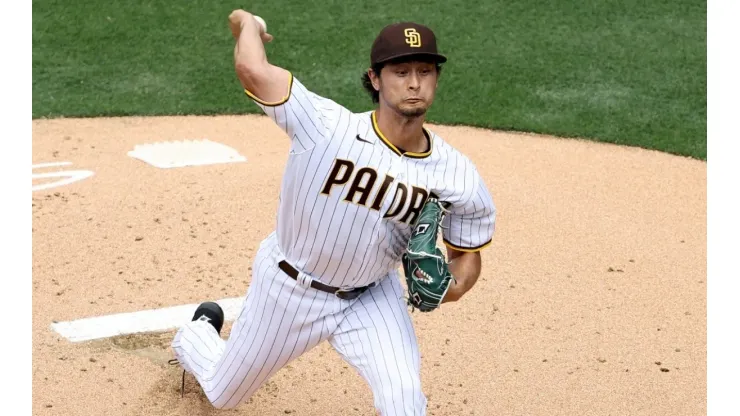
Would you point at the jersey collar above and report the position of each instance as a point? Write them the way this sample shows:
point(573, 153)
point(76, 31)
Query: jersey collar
point(395, 149)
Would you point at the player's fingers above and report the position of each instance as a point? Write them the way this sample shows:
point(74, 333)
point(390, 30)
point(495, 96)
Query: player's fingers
point(266, 37)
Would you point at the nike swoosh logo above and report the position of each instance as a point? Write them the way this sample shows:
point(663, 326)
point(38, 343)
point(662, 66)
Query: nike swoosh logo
point(363, 140)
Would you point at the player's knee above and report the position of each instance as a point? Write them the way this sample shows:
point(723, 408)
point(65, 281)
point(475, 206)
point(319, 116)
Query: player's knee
point(227, 398)
point(223, 405)
point(404, 399)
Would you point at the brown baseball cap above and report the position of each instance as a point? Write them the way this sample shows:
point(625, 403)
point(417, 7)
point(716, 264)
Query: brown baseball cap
point(405, 39)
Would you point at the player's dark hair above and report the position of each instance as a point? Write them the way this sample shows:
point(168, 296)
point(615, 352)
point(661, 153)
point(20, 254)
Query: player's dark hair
point(368, 85)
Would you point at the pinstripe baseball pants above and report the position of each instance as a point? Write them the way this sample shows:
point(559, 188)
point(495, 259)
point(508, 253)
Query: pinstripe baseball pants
point(280, 320)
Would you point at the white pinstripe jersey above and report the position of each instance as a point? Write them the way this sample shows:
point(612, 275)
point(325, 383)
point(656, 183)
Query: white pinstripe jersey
point(349, 197)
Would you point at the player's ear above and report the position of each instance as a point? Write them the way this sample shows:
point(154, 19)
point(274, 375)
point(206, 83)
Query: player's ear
point(374, 79)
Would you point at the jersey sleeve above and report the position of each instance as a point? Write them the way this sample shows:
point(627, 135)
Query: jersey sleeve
point(304, 116)
point(469, 225)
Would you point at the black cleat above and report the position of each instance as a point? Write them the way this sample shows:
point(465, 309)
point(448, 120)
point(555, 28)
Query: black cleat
point(212, 313)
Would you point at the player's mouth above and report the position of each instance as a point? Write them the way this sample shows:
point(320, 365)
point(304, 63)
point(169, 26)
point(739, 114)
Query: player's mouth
point(413, 100)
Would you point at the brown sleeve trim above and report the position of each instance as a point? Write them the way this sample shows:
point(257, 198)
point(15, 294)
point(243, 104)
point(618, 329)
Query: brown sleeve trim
point(469, 249)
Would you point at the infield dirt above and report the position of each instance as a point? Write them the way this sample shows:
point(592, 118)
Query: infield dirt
point(592, 299)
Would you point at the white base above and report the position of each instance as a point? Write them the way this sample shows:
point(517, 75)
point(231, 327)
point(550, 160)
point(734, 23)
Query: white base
point(179, 154)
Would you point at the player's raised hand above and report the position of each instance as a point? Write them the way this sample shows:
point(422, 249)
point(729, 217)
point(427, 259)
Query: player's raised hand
point(235, 21)
point(239, 18)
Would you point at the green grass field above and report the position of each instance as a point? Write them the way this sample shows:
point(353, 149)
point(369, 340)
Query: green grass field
point(624, 72)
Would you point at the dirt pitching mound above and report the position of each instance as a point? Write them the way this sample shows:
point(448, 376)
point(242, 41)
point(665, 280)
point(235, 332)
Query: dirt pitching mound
point(592, 298)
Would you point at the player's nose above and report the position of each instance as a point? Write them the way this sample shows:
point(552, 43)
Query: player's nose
point(414, 82)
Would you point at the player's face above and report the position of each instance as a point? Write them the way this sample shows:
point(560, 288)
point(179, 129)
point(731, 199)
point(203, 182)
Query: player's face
point(408, 87)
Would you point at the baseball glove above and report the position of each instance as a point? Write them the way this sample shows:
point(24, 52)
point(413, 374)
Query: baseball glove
point(427, 276)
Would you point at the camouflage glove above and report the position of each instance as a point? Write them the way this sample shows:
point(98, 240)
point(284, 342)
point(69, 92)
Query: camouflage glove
point(427, 275)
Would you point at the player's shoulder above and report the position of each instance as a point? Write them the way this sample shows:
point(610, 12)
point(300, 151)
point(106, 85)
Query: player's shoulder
point(364, 119)
point(448, 153)
point(468, 180)
point(358, 123)
point(320, 100)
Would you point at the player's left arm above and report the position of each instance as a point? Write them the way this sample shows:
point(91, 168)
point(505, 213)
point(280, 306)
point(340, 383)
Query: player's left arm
point(468, 229)
point(466, 268)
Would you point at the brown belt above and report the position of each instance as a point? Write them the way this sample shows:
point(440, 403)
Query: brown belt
point(346, 294)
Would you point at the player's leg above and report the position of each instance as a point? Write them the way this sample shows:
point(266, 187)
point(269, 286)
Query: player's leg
point(280, 320)
point(376, 336)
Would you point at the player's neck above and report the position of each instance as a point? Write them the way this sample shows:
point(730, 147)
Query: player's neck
point(403, 132)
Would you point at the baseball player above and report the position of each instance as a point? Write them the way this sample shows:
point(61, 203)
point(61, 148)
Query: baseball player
point(357, 188)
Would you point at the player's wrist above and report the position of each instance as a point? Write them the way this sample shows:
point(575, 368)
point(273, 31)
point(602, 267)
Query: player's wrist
point(249, 24)
point(453, 294)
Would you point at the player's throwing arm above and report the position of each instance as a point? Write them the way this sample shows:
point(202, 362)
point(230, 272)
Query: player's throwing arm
point(265, 81)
